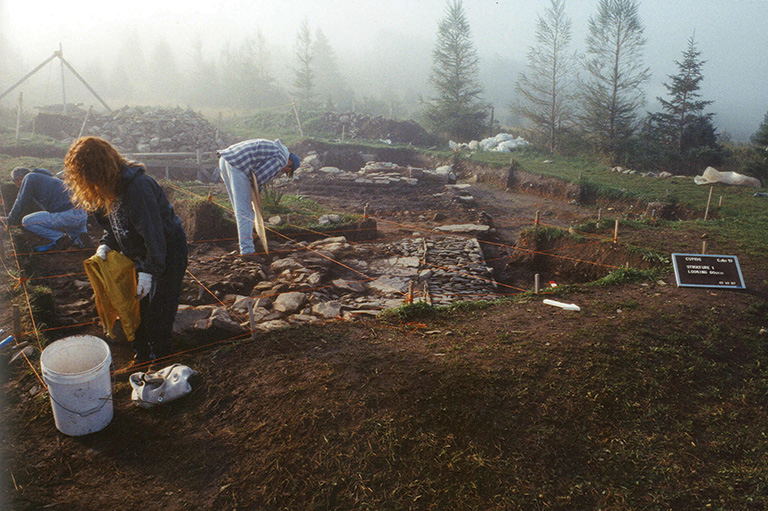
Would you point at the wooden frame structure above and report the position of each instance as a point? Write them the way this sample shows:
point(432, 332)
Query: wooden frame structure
point(60, 55)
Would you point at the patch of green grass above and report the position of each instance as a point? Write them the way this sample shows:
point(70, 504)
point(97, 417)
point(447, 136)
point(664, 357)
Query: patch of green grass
point(626, 276)
point(648, 255)
point(410, 312)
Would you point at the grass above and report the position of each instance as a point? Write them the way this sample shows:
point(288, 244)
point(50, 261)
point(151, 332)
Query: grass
point(741, 222)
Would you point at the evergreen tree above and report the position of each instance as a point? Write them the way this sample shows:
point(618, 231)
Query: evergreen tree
point(456, 111)
point(250, 83)
point(331, 86)
point(545, 89)
point(683, 132)
point(304, 81)
point(164, 75)
point(203, 88)
point(760, 137)
point(615, 71)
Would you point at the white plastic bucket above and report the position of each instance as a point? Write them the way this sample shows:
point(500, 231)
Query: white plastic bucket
point(76, 371)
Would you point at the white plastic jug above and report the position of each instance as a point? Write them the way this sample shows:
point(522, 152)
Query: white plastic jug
point(76, 371)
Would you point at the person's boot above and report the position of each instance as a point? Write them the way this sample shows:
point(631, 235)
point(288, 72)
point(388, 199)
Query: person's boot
point(84, 241)
point(62, 243)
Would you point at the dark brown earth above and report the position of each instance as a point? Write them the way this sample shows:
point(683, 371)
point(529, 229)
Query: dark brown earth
point(481, 408)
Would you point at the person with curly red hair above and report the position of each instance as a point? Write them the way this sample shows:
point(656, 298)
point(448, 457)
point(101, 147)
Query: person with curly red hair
point(139, 221)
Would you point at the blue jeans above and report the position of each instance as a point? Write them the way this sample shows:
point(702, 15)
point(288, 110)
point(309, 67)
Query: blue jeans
point(53, 226)
point(238, 185)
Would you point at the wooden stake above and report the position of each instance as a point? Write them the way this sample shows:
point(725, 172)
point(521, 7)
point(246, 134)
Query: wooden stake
point(410, 293)
point(536, 284)
point(720, 202)
point(616, 231)
point(85, 121)
point(199, 160)
point(298, 121)
point(704, 247)
point(252, 319)
point(16, 323)
point(536, 222)
point(18, 115)
point(365, 210)
point(599, 214)
point(709, 200)
point(63, 87)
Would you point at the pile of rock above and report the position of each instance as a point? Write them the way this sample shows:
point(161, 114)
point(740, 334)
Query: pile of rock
point(139, 129)
point(354, 125)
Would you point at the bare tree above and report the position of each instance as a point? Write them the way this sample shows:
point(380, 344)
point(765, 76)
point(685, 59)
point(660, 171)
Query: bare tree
point(611, 94)
point(545, 89)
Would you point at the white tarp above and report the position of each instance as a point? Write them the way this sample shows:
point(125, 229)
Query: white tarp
point(712, 176)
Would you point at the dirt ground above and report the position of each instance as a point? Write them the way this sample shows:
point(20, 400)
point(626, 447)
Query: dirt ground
point(458, 411)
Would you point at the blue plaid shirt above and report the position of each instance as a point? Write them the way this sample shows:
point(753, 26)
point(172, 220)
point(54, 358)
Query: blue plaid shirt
point(264, 158)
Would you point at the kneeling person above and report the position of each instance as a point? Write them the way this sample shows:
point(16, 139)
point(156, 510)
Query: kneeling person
point(60, 222)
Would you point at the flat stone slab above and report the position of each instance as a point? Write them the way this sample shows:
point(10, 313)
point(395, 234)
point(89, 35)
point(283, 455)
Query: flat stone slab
point(464, 228)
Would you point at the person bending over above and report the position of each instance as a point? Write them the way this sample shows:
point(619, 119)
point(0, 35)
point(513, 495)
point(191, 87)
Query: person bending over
point(139, 221)
point(266, 160)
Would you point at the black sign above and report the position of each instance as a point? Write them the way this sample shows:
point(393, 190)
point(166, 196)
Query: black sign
point(699, 270)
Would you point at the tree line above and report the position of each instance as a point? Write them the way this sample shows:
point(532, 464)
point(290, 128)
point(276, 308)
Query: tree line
point(594, 100)
point(569, 101)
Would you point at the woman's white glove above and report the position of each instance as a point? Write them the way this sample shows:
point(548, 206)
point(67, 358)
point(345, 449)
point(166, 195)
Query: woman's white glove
point(102, 252)
point(144, 285)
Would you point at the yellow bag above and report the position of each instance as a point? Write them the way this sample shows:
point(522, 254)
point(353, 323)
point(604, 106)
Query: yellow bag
point(114, 283)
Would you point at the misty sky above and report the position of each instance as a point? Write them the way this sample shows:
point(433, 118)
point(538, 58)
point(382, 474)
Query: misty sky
point(387, 44)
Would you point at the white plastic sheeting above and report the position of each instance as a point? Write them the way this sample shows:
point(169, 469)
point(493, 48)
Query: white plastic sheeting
point(712, 176)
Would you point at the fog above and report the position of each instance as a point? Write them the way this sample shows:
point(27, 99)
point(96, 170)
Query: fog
point(382, 48)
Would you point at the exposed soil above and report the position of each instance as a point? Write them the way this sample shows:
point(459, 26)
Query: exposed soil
point(485, 408)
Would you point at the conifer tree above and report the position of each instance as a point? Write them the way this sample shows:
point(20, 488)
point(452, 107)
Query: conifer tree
point(615, 71)
point(304, 80)
point(545, 89)
point(456, 110)
point(682, 130)
point(331, 86)
point(760, 137)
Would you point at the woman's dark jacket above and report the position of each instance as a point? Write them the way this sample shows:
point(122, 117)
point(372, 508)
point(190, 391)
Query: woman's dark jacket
point(142, 225)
